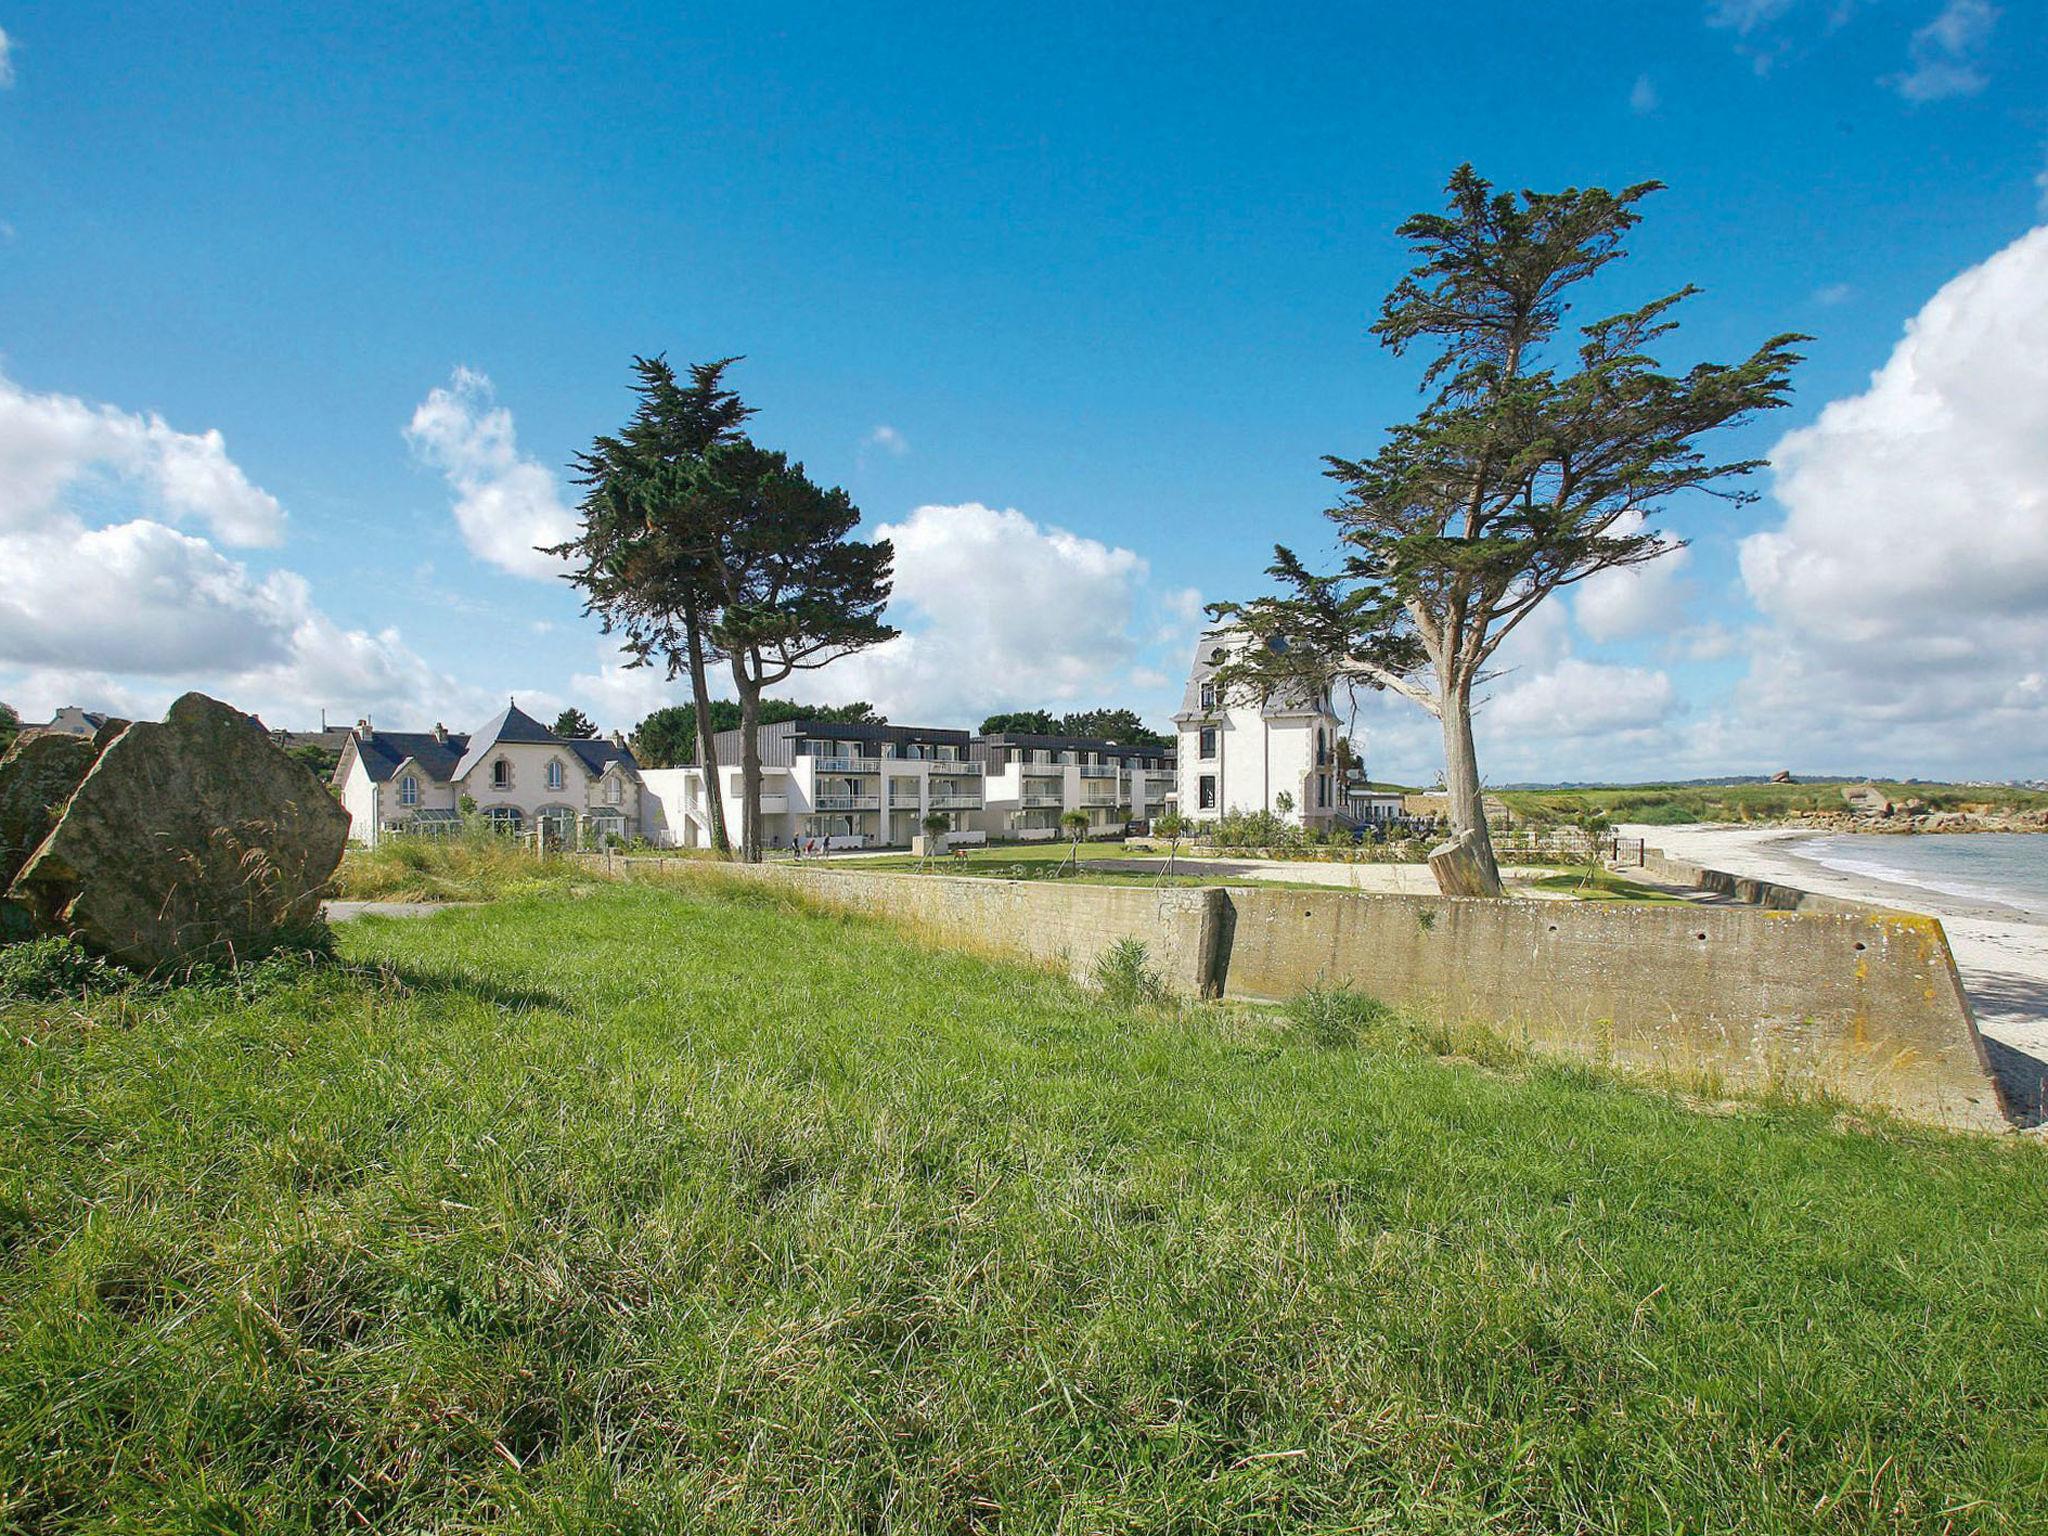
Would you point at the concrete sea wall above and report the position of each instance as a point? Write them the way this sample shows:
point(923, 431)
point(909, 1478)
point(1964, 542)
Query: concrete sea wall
point(1861, 1004)
point(1660, 866)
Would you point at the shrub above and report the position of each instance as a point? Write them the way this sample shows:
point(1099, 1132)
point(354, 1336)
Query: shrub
point(1124, 973)
point(46, 970)
point(1333, 1018)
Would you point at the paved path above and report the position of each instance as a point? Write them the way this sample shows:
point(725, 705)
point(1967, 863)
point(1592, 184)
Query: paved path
point(343, 911)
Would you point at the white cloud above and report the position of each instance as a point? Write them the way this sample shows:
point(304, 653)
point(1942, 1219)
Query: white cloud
point(505, 504)
point(128, 613)
point(56, 446)
point(1579, 698)
point(1642, 96)
point(999, 612)
point(1829, 295)
point(1907, 588)
point(888, 439)
point(1945, 53)
point(1630, 601)
point(6, 60)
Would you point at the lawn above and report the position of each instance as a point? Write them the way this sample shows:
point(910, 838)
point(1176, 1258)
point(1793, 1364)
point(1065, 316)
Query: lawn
point(1681, 804)
point(680, 1208)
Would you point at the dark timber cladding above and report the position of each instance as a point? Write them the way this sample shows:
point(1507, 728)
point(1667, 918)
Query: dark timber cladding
point(997, 747)
point(779, 742)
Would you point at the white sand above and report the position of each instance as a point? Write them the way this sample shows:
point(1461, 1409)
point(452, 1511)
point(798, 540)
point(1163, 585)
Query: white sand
point(2001, 952)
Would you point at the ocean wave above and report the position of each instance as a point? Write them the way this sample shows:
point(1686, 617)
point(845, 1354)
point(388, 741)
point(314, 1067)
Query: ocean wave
point(1830, 853)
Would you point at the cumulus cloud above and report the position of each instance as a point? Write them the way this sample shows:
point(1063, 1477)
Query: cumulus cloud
point(1631, 601)
point(129, 612)
point(998, 612)
point(1642, 96)
point(57, 446)
point(888, 439)
point(505, 503)
point(1907, 587)
point(1945, 53)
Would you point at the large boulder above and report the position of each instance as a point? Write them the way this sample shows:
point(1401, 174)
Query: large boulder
point(196, 839)
point(37, 778)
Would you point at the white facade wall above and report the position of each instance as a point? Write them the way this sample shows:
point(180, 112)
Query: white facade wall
point(527, 790)
point(1239, 758)
point(881, 801)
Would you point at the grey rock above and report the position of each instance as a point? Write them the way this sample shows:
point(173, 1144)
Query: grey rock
point(196, 839)
point(37, 778)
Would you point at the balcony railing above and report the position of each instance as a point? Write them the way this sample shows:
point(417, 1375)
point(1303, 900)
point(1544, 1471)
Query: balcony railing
point(774, 805)
point(845, 764)
point(1039, 801)
point(1099, 771)
point(946, 768)
point(1099, 800)
point(847, 803)
point(956, 802)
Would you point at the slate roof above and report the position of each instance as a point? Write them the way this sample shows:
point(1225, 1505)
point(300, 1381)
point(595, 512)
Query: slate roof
point(383, 751)
point(1284, 702)
point(1073, 743)
point(511, 724)
point(598, 755)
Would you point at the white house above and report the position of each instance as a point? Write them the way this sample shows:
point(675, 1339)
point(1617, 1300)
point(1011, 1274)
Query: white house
point(1242, 755)
point(1033, 780)
point(516, 771)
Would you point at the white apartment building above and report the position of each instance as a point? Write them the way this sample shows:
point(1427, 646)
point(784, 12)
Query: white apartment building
point(1241, 756)
point(859, 785)
point(1033, 780)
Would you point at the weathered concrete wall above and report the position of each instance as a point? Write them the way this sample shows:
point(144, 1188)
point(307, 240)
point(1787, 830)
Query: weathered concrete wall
point(1864, 1005)
point(1660, 866)
point(1068, 924)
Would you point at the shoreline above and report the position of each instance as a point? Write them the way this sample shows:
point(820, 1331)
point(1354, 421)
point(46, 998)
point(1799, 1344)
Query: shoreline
point(2001, 952)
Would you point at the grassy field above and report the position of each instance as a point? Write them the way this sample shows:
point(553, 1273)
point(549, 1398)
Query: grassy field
point(684, 1209)
point(1679, 804)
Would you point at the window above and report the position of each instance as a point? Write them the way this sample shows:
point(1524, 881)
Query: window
point(554, 773)
point(1207, 793)
point(501, 774)
point(1323, 790)
point(1208, 741)
point(611, 790)
point(1208, 695)
point(408, 790)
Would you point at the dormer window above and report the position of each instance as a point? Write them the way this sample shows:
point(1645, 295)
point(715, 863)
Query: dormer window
point(501, 774)
point(554, 773)
point(408, 790)
point(1208, 695)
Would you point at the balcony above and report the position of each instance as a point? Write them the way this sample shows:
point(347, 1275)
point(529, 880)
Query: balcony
point(846, 803)
point(946, 768)
point(1096, 802)
point(956, 802)
point(1100, 771)
point(845, 764)
point(1039, 802)
point(774, 805)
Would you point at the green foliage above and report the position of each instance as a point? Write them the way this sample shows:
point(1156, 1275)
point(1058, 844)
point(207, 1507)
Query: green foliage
point(1336, 1017)
point(48, 969)
point(667, 738)
point(476, 865)
point(320, 761)
point(1668, 805)
point(10, 725)
point(1122, 726)
point(1126, 975)
point(574, 725)
point(611, 1214)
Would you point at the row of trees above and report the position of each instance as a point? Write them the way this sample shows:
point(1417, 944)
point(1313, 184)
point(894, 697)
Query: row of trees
point(699, 548)
point(1118, 725)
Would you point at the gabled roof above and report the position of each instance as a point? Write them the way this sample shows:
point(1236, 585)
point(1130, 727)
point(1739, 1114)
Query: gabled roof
point(383, 751)
point(510, 725)
point(1285, 702)
point(598, 755)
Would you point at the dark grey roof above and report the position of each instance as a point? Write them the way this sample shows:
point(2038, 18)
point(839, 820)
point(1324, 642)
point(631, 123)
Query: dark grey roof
point(1073, 743)
point(383, 751)
point(837, 730)
point(511, 724)
point(1206, 649)
point(599, 755)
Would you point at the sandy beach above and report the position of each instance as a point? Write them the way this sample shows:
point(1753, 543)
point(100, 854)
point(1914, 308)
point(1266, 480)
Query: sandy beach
point(2002, 952)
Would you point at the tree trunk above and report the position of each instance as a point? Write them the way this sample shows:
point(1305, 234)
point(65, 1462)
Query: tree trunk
point(1461, 779)
point(750, 758)
point(707, 744)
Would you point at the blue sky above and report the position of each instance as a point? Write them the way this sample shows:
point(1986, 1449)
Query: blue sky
point(1070, 301)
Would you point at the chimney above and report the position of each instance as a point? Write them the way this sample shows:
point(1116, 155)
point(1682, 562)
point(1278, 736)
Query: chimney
point(619, 739)
point(363, 726)
point(440, 733)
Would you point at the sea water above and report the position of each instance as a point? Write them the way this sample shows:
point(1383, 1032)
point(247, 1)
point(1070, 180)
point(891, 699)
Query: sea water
point(2006, 867)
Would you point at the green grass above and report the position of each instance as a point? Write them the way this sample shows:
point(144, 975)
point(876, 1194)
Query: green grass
point(681, 1208)
point(1679, 804)
point(476, 866)
point(1600, 885)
